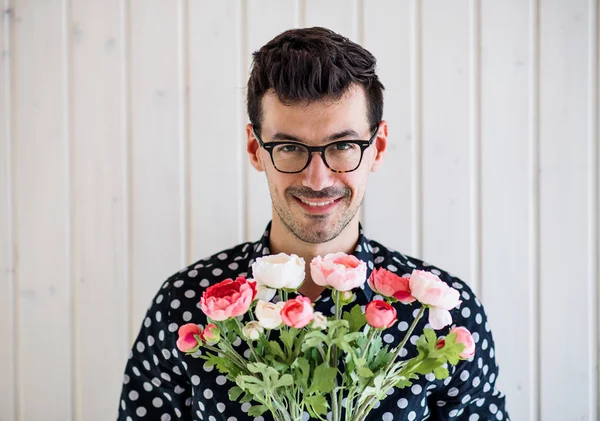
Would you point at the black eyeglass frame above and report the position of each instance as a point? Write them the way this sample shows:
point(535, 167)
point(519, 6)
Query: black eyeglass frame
point(363, 144)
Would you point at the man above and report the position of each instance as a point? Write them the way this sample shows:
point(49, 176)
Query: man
point(315, 105)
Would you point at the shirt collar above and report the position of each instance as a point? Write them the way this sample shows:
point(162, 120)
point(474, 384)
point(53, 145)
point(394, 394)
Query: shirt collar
point(362, 251)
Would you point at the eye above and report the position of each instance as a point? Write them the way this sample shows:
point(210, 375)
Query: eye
point(344, 146)
point(288, 148)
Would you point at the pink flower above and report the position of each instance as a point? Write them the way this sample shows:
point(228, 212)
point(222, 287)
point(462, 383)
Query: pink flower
point(430, 290)
point(297, 312)
point(187, 341)
point(388, 284)
point(211, 334)
point(340, 271)
point(463, 336)
point(228, 298)
point(380, 314)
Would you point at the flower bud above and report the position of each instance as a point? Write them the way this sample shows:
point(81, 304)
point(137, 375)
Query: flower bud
point(253, 330)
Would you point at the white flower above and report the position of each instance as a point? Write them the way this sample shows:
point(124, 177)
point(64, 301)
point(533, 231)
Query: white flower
point(319, 321)
point(262, 292)
point(253, 330)
point(268, 314)
point(279, 271)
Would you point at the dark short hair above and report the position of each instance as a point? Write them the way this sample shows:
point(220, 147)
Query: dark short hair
point(312, 64)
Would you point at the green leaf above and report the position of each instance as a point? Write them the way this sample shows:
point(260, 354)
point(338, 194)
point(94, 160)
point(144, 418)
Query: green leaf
point(276, 350)
point(301, 370)
point(364, 372)
point(441, 373)
point(257, 410)
point(287, 337)
point(285, 380)
point(323, 379)
point(317, 405)
point(430, 336)
point(235, 392)
point(355, 318)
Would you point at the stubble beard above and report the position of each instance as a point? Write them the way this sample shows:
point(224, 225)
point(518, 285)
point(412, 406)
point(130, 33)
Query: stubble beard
point(314, 229)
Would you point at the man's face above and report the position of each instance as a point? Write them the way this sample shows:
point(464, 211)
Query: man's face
point(317, 203)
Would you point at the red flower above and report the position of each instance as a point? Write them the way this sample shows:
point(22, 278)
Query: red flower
point(380, 314)
point(228, 298)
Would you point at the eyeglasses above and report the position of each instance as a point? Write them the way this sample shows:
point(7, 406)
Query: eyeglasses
point(293, 157)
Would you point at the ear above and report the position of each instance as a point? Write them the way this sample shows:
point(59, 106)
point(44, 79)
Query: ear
point(380, 146)
point(253, 149)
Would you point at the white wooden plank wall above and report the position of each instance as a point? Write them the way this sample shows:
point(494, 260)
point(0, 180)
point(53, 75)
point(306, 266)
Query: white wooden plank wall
point(122, 159)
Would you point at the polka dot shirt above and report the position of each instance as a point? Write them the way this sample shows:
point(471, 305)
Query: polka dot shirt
point(161, 383)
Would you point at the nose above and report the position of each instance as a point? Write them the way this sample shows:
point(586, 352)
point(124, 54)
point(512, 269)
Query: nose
point(317, 176)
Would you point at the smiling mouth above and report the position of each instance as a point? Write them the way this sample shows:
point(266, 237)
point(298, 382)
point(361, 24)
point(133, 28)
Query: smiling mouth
point(317, 204)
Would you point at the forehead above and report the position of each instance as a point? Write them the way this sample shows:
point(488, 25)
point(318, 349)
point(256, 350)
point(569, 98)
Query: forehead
point(315, 120)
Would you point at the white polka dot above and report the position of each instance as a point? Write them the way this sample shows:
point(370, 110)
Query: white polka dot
point(453, 392)
point(499, 415)
point(187, 316)
point(141, 411)
point(175, 304)
point(166, 354)
point(123, 404)
point(150, 340)
point(126, 379)
point(416, 389)
point(474, 417)
point(493, 408)
point(165, 376)
point(476, 382)
point(466, 312)
point(378, 260)
point(136, 371)
point(173, 327)
point(204, 283)
point(221, 407)
point(388, 416)
point(388, 339)
point(140, 347)
point(246, 406)
point(466, 295)
point(179, 390)
point(221, 380)
point(403, 352)
point(147, 322)
point(190, 293)
point(161, 335)
point(165, 417)
point(402, 326)
point(158, 316)
point(157, 402)
point(478, 319)
point(412, 415)
point(402, 403)
point(178, 412)
point(193, 273)
point(146, 365)
point(195, 380)
point(217, 272)
point(222, 256)
point(480, 402)
point(156, 382)
point(392, 268)
point(486, 387)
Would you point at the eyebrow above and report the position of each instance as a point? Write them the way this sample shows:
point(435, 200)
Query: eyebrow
point(339, 135)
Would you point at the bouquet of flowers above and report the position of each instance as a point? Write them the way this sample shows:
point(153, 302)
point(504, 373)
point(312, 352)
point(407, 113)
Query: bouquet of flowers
point(298, 360)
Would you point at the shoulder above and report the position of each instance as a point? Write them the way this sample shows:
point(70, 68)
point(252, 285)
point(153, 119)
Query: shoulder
point(178, 298)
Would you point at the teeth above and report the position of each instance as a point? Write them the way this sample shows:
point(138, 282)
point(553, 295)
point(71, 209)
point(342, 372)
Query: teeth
point(317, 204)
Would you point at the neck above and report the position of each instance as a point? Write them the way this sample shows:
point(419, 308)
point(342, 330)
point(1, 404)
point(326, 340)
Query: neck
point(282, 240)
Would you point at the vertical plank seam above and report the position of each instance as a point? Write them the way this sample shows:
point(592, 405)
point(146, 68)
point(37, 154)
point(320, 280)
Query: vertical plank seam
point(184, 138)
point(475, 146)
point(534, 213)
point(244, 182)
point(358, 31)
point(73, 394)
point(7, 16)
point(416, 138)
point(593, 214)
point(126, 134)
